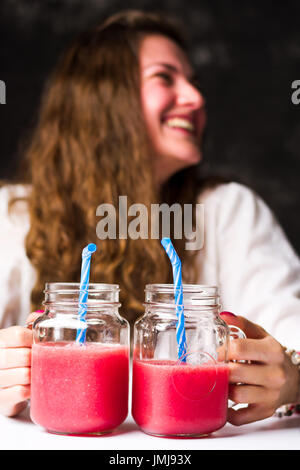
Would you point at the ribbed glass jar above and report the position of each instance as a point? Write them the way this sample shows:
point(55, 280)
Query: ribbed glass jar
point(180, 396)
point(80, 387)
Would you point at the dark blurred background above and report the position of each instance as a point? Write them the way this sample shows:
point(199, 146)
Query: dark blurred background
point(247, 55)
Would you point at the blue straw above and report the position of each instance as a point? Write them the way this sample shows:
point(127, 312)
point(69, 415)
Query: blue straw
point(84, 288)
point(178, 293)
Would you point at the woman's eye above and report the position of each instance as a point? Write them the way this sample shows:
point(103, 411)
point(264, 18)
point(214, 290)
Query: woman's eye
point(165, 76)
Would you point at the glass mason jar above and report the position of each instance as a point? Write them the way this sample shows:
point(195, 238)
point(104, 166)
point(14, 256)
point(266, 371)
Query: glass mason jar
point(185, 396)
point(80, 387)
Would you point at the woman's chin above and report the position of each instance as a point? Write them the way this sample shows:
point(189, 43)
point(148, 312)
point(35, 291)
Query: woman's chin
point(189, 159)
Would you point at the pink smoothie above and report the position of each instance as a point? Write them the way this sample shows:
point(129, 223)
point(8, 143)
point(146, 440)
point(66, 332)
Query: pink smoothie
point(79, 389)
point(179, 399)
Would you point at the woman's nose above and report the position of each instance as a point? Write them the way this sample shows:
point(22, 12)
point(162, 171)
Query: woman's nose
point(189, 95)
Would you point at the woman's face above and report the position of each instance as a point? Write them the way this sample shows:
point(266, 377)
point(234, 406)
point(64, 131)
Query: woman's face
point(173, 107)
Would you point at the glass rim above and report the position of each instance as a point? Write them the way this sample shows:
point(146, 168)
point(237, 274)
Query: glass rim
point(73, 287)
point(211, 290)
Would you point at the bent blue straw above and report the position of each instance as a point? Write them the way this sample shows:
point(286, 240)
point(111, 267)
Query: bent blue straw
point(178, 293)
point(84, 288)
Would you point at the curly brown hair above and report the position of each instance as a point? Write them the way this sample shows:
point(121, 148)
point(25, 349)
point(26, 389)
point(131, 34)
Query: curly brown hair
point(90, 145)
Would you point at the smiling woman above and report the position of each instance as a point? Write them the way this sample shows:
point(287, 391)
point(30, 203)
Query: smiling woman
point(173, 107)
point(121, 115)
point(102, 121)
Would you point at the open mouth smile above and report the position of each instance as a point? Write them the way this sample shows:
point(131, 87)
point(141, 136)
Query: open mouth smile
point(180, 124)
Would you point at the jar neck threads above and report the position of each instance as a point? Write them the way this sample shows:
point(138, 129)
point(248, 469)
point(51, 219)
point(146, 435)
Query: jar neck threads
point(195, 297)
point(65, 296)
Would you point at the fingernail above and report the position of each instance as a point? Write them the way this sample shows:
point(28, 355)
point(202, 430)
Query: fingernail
point(230, 314)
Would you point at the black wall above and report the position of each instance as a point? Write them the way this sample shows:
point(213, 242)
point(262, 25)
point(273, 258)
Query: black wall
point(247, 55)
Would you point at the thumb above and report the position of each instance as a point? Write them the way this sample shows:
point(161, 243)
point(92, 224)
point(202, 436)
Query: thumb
point(251, 330)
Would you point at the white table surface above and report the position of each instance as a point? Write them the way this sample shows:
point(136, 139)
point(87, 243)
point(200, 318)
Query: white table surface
point(272, 433)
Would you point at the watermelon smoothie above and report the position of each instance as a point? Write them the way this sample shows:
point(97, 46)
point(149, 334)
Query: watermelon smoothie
point(173, 399)
point(79, 389)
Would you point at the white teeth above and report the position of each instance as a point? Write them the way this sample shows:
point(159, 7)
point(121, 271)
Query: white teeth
point(180, 122)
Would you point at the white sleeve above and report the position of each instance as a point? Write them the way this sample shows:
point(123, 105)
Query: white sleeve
point(16, 273)
point(259, 272)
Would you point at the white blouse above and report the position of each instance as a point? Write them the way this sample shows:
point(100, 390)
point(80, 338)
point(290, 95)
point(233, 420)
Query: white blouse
point(245, 253)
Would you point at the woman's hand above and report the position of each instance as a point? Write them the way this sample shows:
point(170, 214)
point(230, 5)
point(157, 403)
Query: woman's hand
point(269, 381)
point(15, 362)
point(15, 358)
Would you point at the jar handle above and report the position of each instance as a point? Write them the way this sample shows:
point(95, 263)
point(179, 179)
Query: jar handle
point(235, 332)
